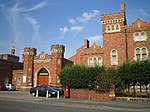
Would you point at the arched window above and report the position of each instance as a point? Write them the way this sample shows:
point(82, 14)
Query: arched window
point(137, 54)
point(108, 28)
point(140, 36)
point(136, 36)
point(141, 54)
point(143, 36)
point(114, 57)
point(144, 54)
point(43, 72)
point(113, 27)
point(90, 62)
point(117, 27)
point(99, 61)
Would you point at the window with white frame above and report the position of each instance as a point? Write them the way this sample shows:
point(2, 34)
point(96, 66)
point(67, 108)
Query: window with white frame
point(108, 28)
point(140, 36)
point(95, 61)
point(113, 28)
point(114, 56)
point(141, 54)
point(117, 27)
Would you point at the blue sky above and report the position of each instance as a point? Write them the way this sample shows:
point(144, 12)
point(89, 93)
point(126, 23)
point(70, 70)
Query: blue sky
point(42, 23)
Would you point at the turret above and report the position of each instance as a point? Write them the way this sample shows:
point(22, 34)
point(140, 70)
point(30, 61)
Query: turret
point(113, 28)
point(28, 65)
point(12, 50)
point(57, 51)
point(57, 57)
point(114, 22)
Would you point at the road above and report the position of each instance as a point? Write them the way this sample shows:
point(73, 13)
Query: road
point(23, 102)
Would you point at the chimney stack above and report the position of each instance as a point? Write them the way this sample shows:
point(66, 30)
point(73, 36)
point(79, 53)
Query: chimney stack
point(122, 7)
point(86, 43)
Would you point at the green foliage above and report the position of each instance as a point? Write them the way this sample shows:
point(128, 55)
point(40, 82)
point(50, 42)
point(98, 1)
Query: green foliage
point(133, 73)
point(103, 82)
point(79, 76)
point(127, 75)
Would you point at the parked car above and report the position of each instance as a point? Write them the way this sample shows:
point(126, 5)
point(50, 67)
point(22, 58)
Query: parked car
point(2, 87)
point(60, 89)
point(10, 87)
point(42, 91)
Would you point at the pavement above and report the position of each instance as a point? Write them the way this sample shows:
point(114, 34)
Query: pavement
point(22, 96)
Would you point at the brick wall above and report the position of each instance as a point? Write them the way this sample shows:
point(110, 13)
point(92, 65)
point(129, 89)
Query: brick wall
point(91, 95)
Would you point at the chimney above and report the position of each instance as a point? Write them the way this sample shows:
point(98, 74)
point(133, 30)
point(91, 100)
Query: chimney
point(122, 7)
point(12, 50)
point(86, 43)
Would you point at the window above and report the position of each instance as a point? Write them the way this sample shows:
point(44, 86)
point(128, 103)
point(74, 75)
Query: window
point(144, 54)
point(137, 54)
point(143, 36)
point(18, 81)
point(113, 28)
point(141, 54)
point(114, 57)
point(140, 36)
point(95, 61)
point(117, 27)
point(100, 61)
point(108, 28)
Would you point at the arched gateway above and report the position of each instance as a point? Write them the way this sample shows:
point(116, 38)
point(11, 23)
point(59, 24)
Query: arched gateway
point(43, 77)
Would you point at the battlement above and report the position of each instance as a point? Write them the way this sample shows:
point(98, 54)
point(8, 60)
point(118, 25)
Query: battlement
point(29, 51)
point(57, 48)
point(114, 17)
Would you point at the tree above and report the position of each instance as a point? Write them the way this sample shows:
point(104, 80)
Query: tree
point(133, 73)
point(79, 76)
point(125, 75)
point(103, 83)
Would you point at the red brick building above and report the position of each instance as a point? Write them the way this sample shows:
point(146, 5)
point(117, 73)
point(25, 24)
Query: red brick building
point(121, 43)
point(8, 63)
point(40, 69)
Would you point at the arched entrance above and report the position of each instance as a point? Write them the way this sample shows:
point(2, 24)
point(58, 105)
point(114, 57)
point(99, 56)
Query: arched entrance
point(43, 77)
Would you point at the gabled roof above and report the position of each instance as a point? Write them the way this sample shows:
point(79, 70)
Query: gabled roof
point(139, 23)
point(94, 47)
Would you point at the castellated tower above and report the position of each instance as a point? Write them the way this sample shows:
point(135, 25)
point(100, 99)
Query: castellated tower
point(57, 57)
point(57, 51)
point(114, 37)
point(28, 66)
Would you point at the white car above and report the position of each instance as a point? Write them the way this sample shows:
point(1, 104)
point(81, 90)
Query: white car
point(10, 87)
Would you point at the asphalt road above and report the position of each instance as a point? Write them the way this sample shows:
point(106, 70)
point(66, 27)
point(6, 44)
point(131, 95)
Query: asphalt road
point(13, 101)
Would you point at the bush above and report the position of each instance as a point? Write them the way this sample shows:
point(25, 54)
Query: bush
point(79, 76)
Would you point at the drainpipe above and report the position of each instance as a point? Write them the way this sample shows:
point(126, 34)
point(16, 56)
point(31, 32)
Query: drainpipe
point(126, 43)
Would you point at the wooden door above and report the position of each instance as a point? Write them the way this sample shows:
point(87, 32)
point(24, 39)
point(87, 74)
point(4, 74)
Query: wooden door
point(43, 80)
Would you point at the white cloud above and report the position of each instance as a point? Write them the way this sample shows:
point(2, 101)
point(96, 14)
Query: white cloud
point(85, 17)
point(38, 6)
point(95, 38)
point(64, 29)
point(77, 28)
point(143, 12)
point(71, 20)
point(35, 26)
point(14, 16)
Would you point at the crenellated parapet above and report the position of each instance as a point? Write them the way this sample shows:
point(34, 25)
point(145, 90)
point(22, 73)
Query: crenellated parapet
point(57, 51)
point(29, 51)
point(57, 48)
